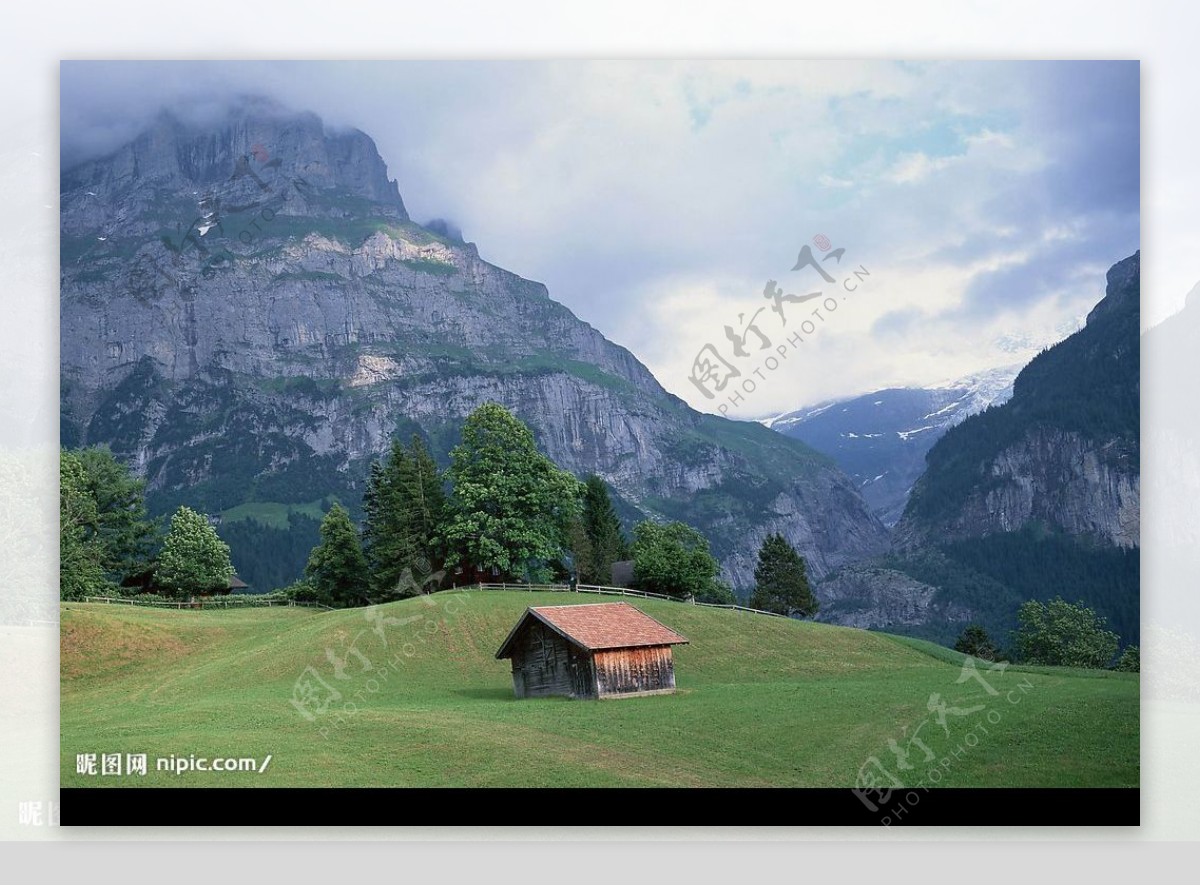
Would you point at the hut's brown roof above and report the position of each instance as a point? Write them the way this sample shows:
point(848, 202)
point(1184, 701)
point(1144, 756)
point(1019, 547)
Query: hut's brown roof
point(596, 626)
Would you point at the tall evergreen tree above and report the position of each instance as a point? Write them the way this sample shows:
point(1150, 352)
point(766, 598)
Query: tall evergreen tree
point(974, 641)
point(583, 556)
point(404, 508)
point(509, 506)
point(605, 543)
point(193, 559)
point(387, 545)
point(781, 580)
point(126, 535)
point(337, 569)
point(427, 502)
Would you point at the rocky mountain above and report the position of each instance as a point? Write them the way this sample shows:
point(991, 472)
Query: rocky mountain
point(249, 315)
point(875, 596)
point(1063, 451)
point(880, 439)
point(1037, 497)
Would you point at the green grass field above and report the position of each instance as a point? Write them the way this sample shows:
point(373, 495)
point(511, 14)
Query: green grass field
point(272, 513)
point(761, 702)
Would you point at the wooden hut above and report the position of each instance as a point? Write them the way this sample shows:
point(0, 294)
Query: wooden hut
point(233, 586)
point(622, 574)
point(598, 650)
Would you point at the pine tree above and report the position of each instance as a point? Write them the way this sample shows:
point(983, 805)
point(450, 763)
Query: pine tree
point(404, 508)
point(605, 543)
point(975, 641)
point(193, 559)
point(781, 580)
point(583, 556)
point(426, 503)
point(123, 530)
point(337, 569)
point(386, 538)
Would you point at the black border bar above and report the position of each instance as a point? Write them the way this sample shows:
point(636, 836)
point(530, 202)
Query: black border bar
point(364, 807)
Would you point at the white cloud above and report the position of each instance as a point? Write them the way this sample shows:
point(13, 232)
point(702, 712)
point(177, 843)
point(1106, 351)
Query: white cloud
point(916, 167)
point(656, 198)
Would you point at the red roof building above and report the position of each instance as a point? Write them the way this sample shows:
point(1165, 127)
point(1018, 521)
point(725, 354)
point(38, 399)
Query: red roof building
point(597, 650)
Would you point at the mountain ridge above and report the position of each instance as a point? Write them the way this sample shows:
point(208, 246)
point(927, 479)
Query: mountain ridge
point(244, 337)
point(1034, 498)
point(880, 438)
point(1063, 449)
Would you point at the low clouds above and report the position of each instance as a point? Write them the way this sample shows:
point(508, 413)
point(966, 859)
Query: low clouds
point(655, 199)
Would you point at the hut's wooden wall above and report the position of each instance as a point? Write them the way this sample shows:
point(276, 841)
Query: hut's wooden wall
point(544, 664)
point(639, 670)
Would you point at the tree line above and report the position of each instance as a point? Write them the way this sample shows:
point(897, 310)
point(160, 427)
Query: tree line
point(501, 511)
point(108, 545)
point(1055, 633)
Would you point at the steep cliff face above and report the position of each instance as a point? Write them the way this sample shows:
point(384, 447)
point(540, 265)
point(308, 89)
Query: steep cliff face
point(1060, 478)
point(249, 315)
point(233, 156)
point(1031, 499)
point(1063, 451)
point(884, 599)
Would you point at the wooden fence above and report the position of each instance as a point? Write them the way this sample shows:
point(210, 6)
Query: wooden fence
point(248, 603)
point(617, 592)
point(244, 601)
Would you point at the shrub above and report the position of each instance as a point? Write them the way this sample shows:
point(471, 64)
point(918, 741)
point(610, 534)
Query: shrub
point(1059, 633)
point(1130, 660)
point(975, 641)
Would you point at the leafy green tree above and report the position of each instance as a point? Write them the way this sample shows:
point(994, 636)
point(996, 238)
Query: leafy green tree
point(781, 580)
point(510, 506)
point(1130, 660)
point(602, 543)
point(80, 553)
point(337, 569)
point(126, 535)
point(404, 508)
point(718, 592)
point(1059, 633)
point(674, 559)
point(193, 559)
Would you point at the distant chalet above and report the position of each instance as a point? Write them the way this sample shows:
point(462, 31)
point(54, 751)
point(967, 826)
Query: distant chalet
point(599, 650)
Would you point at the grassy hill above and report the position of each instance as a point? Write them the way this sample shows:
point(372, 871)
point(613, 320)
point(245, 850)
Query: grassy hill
point(761, 702)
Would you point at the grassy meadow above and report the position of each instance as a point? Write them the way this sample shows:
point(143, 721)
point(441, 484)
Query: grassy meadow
point(761, 702)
